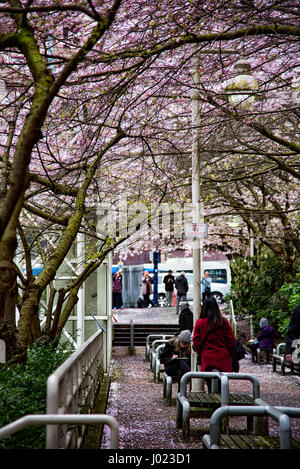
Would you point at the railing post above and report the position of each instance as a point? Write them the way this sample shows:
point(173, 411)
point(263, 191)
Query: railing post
point(131, 336)
point(79, 375)
point(2, 351)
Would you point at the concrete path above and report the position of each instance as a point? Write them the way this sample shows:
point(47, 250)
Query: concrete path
point(163, 315)
point(155, 315)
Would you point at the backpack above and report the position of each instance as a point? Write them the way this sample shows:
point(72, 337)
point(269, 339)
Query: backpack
point(141, 303)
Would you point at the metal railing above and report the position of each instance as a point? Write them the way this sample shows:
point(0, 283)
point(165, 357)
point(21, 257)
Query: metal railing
point(64, 419)
point(73, 388)
point(151, 337)
point(153, 354)
point(232, 319)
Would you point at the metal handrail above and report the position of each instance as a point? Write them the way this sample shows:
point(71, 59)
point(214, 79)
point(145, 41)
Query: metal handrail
point(232, 319)
point(52, 419)
point(73, 388)
point(154, 336)
point(155, 344)
point(156, 368)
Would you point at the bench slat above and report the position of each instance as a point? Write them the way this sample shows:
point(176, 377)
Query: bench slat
point(226, 440)
point(240, 399)
point(203, 399)
point(253, 442)
point(239, 442)
point(199, 399)
point(296, 443)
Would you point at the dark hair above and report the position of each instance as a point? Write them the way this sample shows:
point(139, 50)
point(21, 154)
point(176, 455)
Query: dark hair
point(210, 309)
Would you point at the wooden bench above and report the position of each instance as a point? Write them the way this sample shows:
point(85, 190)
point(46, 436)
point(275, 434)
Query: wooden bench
point(267, 351)
point(279, 359)
point(216, 440)
point(202, 404)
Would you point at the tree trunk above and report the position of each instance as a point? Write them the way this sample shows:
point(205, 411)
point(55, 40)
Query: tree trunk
point(29, 323)
point(8, 285)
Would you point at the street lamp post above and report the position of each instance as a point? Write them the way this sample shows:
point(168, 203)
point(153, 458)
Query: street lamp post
point(241, 92)
point(156, 261)
point(243, 87)
point(196, 206)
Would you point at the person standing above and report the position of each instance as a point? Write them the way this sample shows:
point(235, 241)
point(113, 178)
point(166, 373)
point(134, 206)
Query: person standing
point(117, 301)
point(147, 288)
point(169, 281)
point(213, 339)
point(293, 333)
point(186, 318)
point(182, 287)
point(206, 286)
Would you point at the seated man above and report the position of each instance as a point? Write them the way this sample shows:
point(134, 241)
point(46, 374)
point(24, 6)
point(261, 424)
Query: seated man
point(176, 355)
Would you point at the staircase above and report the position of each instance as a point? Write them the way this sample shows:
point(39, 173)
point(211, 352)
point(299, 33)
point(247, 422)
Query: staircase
point(121, 333)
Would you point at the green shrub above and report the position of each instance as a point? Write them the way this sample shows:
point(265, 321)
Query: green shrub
point(254, 280)
point(260, 288)
point(23, 392)
point(283, 303)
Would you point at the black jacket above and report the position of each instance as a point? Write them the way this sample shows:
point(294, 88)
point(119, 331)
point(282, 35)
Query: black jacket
point(169, 282)
point(293, 331)
point(181, 285)
point(186, 320)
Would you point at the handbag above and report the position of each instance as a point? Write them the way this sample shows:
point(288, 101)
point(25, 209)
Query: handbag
point(240, 353)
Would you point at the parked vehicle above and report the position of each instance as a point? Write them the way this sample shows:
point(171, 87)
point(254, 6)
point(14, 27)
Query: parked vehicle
point(219, 271)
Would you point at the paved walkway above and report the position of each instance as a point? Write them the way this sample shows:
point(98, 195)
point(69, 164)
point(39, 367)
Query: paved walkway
point(146, 422)
point(164, 315)
point(155, 315)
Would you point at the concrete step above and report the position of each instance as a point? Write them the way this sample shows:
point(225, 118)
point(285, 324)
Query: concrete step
point(121, 333)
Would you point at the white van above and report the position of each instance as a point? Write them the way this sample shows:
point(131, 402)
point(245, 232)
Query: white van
point(219, 272)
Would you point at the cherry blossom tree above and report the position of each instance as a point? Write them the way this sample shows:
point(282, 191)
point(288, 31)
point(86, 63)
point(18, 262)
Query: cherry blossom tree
point(95, 102)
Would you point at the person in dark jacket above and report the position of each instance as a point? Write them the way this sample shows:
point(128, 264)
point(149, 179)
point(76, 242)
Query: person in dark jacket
point(117, 301)
point(186, 318)
point(147, 289)
point(265, 339)
point(293, 334)
point(176, 355)
point(169, 281)
point(182, 287)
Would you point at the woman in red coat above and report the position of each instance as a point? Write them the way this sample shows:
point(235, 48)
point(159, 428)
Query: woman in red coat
point(213, 338)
